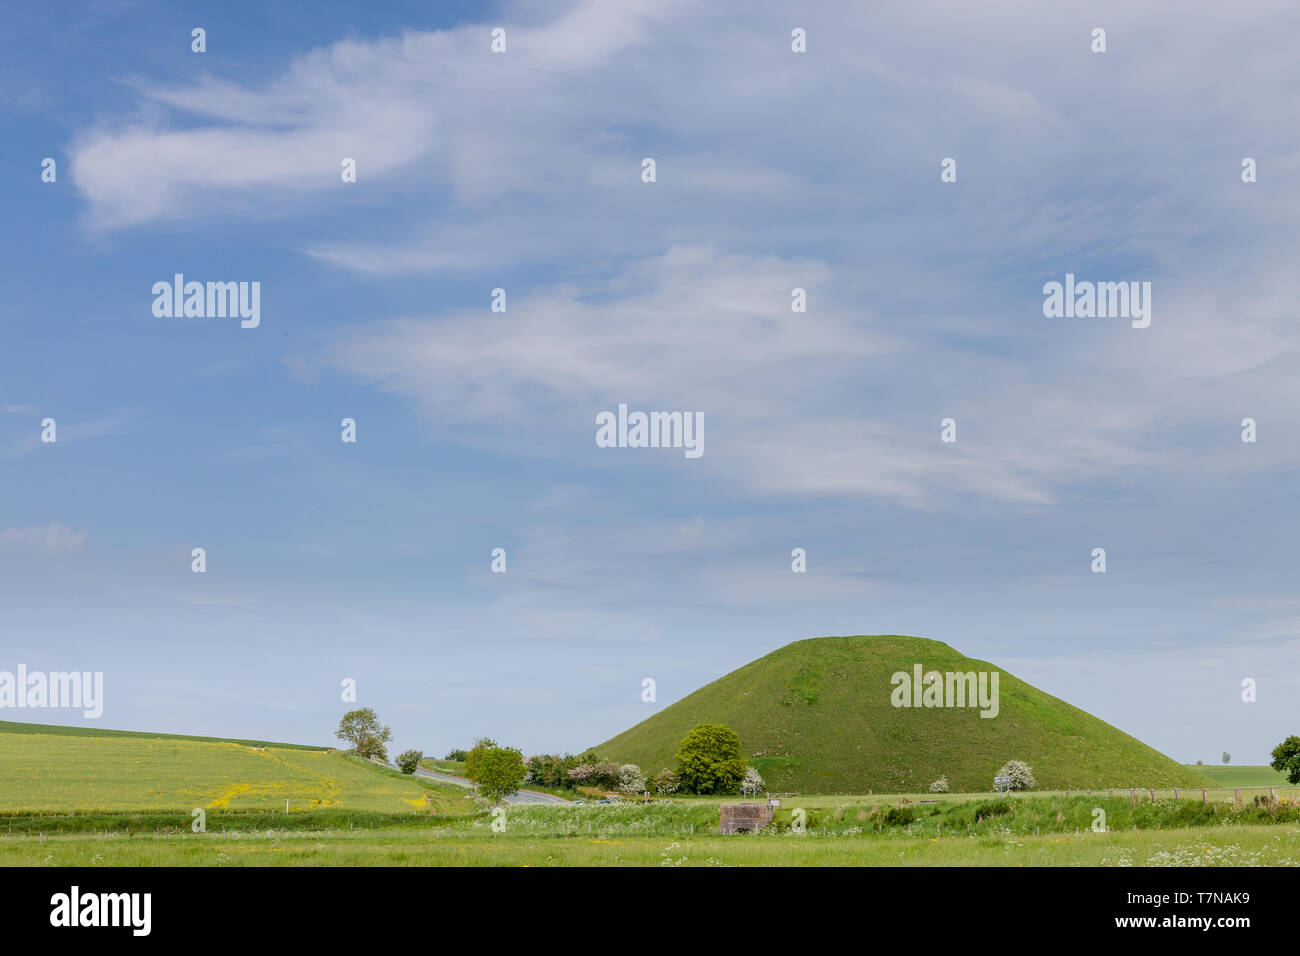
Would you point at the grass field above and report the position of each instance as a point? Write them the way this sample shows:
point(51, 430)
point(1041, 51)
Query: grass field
point(466, 846)
point(1215, 794)
point(109, 799)
point(456, 767)
point(1245, 776)
point(816, 716)
point(87, 771)
point(60, 730)
point(1031, 830)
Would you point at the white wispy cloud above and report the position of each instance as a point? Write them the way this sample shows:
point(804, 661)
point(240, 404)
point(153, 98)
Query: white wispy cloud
point(818, 170)
point(52, 538)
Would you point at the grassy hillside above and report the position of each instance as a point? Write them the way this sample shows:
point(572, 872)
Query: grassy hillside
point(816, 717)
point(64, 768)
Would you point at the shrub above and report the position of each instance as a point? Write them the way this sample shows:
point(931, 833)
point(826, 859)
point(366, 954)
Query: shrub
point(753, 781)
point(1021, 774)
point(456, 755)
point(992, 808)
point(666, 782)
point(898, 816)
point(939, 786)
point(553, 770)
point(630, 778)
point(605, 774)
point(408, 760)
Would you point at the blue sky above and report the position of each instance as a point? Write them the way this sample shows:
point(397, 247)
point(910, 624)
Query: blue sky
point(476, 429)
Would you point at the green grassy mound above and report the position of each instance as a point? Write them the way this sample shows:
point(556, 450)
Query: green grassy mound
point(816, 717)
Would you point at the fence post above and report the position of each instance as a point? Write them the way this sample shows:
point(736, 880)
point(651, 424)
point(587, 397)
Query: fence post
point(1272, 794)
point(1204, 799)
point(1153, 796)
point(1236, 792)
point(1110, 793)
point(1176, 793)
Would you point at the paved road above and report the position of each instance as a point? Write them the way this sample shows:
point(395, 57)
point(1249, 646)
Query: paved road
point(523, 796)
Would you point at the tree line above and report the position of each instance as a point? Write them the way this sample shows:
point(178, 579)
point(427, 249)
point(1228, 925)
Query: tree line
point(709, 760)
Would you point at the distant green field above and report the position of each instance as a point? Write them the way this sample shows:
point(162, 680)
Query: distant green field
point(454, 767)
point(96, 770)
point(1245, 776)
point(13, 727)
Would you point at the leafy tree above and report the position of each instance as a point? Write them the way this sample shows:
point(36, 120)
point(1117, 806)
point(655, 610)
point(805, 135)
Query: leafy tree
point(1286, 758)
point(753, 781)
point(1226, 756)
point(605, 775)
point(362, 729)
point(552, 770)
point(939, 786)
point(408, 760)
point(542, 768)
point(456, 755)
point(480, 746)
point(497, 771)
point(709, 761)
point(1021, 774)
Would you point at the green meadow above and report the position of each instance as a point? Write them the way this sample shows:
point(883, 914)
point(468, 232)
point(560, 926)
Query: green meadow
point(104, 798)
point(66, 771)
point(60, 730)
point(1253, 777)
point(472, 843)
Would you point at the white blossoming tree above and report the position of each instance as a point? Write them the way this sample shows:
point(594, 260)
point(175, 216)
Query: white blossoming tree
point(666, 782)
point(1021, 774)
point(630, 778)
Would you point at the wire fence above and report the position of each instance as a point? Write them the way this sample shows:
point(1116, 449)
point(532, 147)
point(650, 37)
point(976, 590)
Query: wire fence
point(1240, 796)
